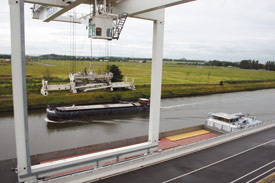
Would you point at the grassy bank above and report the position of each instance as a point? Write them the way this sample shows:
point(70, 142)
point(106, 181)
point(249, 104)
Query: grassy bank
point(178, 80)
point(168, 90)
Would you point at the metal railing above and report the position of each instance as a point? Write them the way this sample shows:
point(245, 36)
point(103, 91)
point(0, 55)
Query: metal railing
point(96, 160)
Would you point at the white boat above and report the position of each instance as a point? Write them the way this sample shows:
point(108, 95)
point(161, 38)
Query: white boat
point(230, 122)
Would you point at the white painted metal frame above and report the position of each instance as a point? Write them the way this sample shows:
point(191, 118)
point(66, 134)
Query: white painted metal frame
point(26, 172)
point(156, 77)
point(19, 86)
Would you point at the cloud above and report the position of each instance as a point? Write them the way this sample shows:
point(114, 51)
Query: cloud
point(212, 29)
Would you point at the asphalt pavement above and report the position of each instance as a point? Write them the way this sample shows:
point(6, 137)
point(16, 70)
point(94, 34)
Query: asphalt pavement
point(247, 159)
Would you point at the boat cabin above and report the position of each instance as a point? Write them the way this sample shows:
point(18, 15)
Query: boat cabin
point(144, 101)
point(230, 122)
point(229, 118)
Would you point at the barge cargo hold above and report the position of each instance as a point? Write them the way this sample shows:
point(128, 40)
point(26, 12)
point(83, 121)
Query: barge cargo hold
point(56, 114)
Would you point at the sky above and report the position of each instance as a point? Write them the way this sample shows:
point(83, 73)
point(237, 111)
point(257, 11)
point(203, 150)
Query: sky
point(230, 30)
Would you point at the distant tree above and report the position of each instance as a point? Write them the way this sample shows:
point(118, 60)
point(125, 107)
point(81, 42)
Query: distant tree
point(261, 66)
point(222, 63)
point(209, 73)
point(187, 74)
point(251, 64)
point(117, 75)
point(47, 75)
point(245, 64)
point(270, 66)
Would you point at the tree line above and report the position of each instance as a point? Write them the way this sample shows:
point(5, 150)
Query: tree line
point(222, 63)
point(251, 64)
point(244, 64)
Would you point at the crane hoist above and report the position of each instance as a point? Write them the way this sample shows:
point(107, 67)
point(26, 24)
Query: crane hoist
point(101, 24)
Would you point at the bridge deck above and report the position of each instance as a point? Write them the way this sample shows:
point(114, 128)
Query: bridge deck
point(247, 159)
point(165, 143)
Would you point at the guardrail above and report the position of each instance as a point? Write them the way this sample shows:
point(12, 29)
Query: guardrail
point(160, 156)
point(10, 177)
point(97, 160)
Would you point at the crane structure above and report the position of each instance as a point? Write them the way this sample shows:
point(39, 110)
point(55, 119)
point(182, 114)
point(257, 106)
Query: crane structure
point(106, 21)
point(101, 24)
point(97, 81)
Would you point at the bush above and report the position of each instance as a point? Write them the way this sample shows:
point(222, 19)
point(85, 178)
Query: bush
point(117, 75)
point(143, 95)
point(99, 96)
point(47, 75)
point(116, 97)
point(247, 81)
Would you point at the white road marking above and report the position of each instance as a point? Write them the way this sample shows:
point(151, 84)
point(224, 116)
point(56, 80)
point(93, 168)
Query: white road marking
point(253, 171)
point(261, 175)
point(183, 175)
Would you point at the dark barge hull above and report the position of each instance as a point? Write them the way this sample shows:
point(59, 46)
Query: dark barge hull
point(55, 114)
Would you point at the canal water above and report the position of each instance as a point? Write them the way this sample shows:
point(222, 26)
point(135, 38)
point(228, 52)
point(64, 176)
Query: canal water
point(175, 113)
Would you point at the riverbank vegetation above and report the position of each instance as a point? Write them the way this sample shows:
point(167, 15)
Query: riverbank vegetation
point(178, 80)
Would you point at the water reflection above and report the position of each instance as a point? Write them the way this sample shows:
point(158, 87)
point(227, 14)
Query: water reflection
point(5, 115)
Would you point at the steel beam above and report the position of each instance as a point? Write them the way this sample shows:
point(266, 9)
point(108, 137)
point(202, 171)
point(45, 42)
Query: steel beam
point(135, 7)
point(154, 15)
point(156, 76)
point(145, 10)
point(19, 86)
point(46, 11)
point(64, 10)
point(57, 3)
point(69, 20)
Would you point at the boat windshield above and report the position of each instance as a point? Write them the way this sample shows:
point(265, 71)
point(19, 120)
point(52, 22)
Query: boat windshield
point(225, 119)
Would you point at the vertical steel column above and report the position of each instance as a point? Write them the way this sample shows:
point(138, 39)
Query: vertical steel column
point(19, 86)
point(156, 77)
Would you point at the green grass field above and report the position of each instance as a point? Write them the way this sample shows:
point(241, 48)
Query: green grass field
point(172, 73)
point(178, 80)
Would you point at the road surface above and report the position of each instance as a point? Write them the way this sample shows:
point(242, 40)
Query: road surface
point(247, 159)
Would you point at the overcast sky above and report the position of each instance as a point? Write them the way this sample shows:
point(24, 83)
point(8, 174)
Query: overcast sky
point(229, 30)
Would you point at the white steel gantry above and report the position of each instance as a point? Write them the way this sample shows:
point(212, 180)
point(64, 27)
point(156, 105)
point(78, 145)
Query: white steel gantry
point(74, 87)
point(53, 10)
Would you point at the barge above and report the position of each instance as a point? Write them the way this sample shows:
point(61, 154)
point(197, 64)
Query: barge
point(57, 114)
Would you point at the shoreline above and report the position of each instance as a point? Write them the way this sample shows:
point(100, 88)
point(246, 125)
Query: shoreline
point(37, 101)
